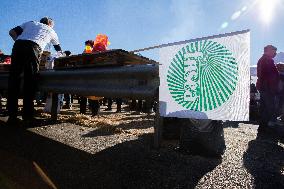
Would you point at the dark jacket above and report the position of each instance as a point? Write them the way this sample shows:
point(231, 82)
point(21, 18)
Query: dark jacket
point(267, 75)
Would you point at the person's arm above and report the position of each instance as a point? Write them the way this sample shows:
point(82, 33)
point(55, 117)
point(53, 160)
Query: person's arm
point(273, 77)
point(57, 48)
point(55, 42)
point(15, 32)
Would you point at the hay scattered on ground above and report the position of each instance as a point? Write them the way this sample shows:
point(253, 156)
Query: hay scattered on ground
point(111, 122)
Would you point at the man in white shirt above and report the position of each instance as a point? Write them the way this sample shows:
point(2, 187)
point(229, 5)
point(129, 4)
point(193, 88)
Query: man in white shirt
point(30, 39)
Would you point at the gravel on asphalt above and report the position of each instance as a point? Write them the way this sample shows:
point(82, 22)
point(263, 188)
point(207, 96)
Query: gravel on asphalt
point(116, 151)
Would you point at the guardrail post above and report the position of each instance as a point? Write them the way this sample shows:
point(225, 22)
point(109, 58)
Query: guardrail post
point(54, 106)
point(158, 129)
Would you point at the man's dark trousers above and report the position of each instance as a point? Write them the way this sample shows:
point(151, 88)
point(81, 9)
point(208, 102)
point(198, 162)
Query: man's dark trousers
point(25, 62)
point(267, 108)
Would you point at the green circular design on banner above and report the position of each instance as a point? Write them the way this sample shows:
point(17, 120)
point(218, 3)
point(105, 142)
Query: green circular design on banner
point(202, 75)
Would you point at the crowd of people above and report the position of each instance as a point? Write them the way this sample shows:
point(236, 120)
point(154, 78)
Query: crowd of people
point(31, 38)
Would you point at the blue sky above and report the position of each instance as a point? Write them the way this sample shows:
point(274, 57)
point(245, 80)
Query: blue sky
point(135, 24)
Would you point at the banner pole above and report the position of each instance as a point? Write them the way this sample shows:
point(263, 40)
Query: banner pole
point(191, 40)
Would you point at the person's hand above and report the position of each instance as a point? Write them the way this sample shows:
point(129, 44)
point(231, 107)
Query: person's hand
point(60, 54)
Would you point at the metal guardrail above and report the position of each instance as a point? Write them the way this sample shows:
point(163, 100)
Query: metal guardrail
point(4, 81)
point(133, 81)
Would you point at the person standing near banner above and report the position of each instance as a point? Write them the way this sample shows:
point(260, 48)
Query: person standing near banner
point(30, 39)
point(267, 84)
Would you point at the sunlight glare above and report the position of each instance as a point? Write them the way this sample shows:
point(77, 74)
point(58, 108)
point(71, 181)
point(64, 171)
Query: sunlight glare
point(267, 9)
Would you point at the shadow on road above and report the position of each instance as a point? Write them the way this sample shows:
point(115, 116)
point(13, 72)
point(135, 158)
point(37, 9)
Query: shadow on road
point(132, 164)
point(264, 159)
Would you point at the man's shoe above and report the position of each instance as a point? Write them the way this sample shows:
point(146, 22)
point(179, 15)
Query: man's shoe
point(39, 103)
point(275, 123)
point(32, 122)
point(271, 124)
point(67, 106)
point(107, 109)
point(14, 122)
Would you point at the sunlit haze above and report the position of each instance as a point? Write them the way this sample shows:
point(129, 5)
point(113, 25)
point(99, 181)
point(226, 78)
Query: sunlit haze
point(267, 9)
point(135, 24)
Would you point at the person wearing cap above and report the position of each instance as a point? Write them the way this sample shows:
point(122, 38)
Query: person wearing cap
point(267, 83)
point(3, 57)
point(30, 40)
point(93, 101)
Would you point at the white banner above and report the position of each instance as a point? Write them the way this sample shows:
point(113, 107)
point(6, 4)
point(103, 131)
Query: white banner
point(207, 78)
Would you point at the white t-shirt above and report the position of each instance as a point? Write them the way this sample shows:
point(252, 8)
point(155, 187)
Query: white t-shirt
point(39, 33)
